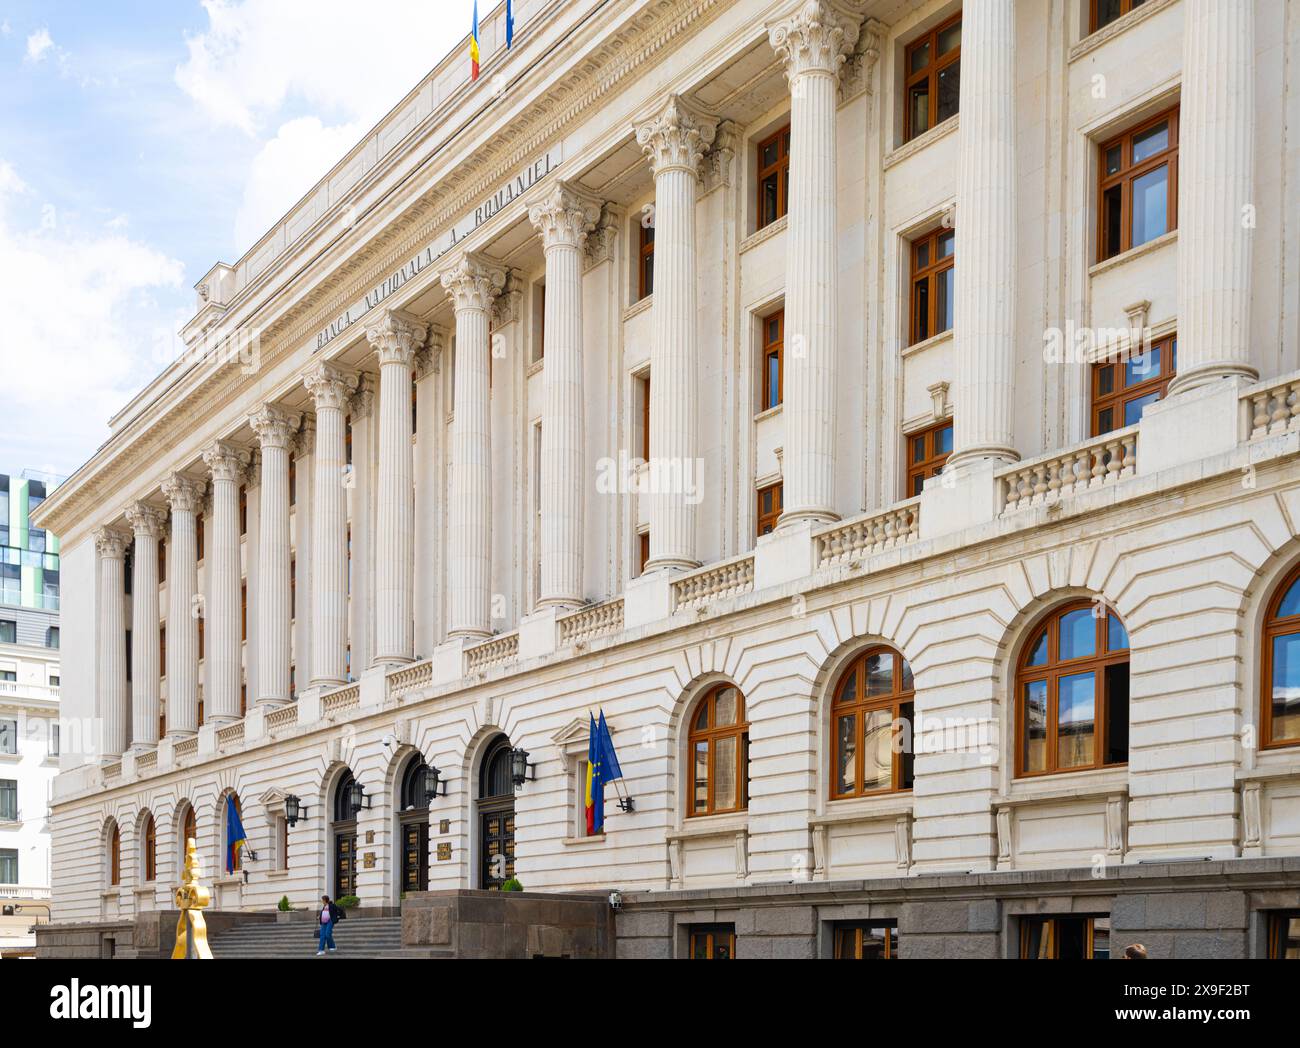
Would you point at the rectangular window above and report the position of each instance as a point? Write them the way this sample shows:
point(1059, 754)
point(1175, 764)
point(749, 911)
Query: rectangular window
point(1064, 938)
point(1284, 936)
point(1123, 389)
point(1106, 11)
point(162, 562)
point(713, 942)
point(643, 552)
point(347, 439)
point(773, 177)
point(8, 631)
point(243, 610)
point(8, 865)
point(52, 637)
point(162, 650)
point(293, 589)
point(54, 735)
point(1138, 198)
point(643, 406)
point(877, 941)
point(933, 276)
point(127, 638)
point(293, 480)
point(932, 67)
point(646, 260)
point(243, 511)
point(8, 736)
point(540, 353)
point(8, 800)
point(198, 537)
point(773, 360)
point(769, 508)
point(281, 843)
point(927, 452)
point(8, 676)
point(415, 408)
point(201, 638)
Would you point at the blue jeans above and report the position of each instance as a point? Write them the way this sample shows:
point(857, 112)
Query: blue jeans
point(326, 936)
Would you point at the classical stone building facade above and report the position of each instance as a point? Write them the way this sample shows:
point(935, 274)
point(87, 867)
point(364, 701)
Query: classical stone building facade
point(886, 412)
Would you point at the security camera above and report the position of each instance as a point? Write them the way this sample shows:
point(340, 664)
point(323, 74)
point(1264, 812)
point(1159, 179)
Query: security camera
point(389, 742)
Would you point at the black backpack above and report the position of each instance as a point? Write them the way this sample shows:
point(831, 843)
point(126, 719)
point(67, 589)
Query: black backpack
point(337, 913)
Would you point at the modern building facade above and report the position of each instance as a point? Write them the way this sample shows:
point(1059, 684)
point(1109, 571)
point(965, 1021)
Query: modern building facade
point(29, 710)
point(886, 412)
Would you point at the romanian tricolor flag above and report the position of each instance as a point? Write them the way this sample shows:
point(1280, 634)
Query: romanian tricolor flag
point(602, 767)
point(473, 46)
point(235, 837)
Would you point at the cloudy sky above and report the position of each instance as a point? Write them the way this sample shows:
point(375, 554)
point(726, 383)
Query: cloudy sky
point(140, 142)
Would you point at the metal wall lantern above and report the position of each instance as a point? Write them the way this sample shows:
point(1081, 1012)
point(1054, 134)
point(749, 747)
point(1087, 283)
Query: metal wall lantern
point(294, 809)
point(430, 781)
point(520, 770)
point(357, 798)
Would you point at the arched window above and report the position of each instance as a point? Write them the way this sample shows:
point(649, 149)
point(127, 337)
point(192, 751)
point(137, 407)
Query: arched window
point(191, 830)
point(115, 856)
point(719, 748)
point(871, 723)
point(412, 795)
point(188, 830)
point(495, 776)
point(343, 809)
point(1280, 690)
point(1072, 692)
point(150, 849)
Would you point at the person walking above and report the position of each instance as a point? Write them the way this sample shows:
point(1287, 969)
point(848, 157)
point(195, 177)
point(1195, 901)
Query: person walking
point(329, 914)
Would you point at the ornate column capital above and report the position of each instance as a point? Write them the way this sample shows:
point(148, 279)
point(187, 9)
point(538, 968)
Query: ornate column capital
point(473, 281)
point(332, 386)
point(111, 543)
point(862, 61)
point(183, 493)
point(396, 336)
point(147, 521)
point(564, 215)
point(429, 359)
point(817, 38)
point(601, 240)
point(363, 400)
point(227, 461)
point(274, 426)
point(305, 441)
point(676, 136)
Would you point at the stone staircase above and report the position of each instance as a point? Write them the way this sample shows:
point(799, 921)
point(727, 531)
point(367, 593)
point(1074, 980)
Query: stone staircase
point(356, 937)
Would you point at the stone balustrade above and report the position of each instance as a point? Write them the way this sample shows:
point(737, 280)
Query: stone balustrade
point(1098, 462)
point(874, 533)
point(728, 579)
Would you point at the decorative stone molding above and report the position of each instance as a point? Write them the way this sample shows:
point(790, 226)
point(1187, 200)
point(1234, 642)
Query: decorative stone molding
point(363, 400)
point(772, 229)
point(601, 240)
point(396, 337)
point(429, 359)
point(564, 215)
point(332, 386)
point(184, 494)
point(815, 39)
point(909, 149)
point(274, 426)
point(111, 543)
point(1107, 33)
point(719, 163)
point(305, 441)
point(474, 281)
point(939, 396)
point(227, 462)
point(860, 66)
point(1252, 823)
point(146, 520)
point(506, 306)
point(676, 136)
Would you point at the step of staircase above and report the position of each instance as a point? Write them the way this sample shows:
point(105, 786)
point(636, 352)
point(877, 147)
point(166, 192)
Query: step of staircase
point(357, 938)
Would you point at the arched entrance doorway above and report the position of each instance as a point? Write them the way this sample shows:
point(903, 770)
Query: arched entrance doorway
point(496, 816)
point(413, 830)
point(343, 834)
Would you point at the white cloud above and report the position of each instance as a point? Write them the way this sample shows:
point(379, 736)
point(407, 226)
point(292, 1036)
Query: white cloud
point(82, 319)
point(38, 44)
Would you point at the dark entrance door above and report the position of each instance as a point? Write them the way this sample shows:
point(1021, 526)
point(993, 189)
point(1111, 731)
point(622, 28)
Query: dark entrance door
point(345, 860)
point(496, 817)
point(415, 855)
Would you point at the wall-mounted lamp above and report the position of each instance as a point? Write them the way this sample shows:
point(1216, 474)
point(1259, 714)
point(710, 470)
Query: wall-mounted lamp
point(520, 770)
point(616, 900)
point(294, 809)
point(357, 798)
point(431, 781)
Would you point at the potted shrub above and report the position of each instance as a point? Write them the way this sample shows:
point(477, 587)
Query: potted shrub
point(348, 902)
point(512, 885)
point(285, 908)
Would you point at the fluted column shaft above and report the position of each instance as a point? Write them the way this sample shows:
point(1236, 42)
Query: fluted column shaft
point(183, 494)
point(396, 338)
point(813, 45)
point(274, 429)
point(563, 216)
point(147, 524)
point(675, 139)
point(1216, 187)
point(222, 612)
point(115, 710)
point(331, 386)
point(473, 283)
point(984, 308)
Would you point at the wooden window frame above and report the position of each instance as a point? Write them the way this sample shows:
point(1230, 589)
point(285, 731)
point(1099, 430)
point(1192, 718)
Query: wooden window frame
point(1094, 14)
point(1277, 933)
point(711, 734)
point(931, 465)
point(1274, 627)
point(645, 281)
point(293, 589)
point(189, 827)
point(780, 168)
point(1128, 173)
point(710, 934)
point(243, 510)
point(198, 538)
point(643, 384)
point(929, 74)
point(1120, 395)
point(150, 850)
point(772, 346)
point(768, 520)
point(930, 274)
point(848, 939)
point(1027, 922)
point(858, 707)
point(643, 551)
point(293, 479)
point(162, 561)
point(243, 611)
point(1052, 671)
point(115, 856)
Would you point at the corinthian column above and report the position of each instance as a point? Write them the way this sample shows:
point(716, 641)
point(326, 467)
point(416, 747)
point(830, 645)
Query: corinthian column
point(184, 495)
point(396, 337)
point(332, 387)
point(984, 307)
point(473, 282)
point(1216, 190)
point(675, 139)
point(147, 522)
point(227, 464)
point(563, 216)
point(274, 428)
point(114, 708)
point(812, 44)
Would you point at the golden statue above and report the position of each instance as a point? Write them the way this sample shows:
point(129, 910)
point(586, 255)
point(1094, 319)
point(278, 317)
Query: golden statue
point(191, 897)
